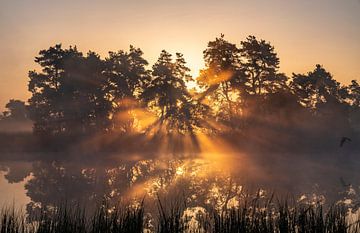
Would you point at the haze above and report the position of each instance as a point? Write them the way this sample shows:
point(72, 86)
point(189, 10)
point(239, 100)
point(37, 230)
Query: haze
point(303, 33)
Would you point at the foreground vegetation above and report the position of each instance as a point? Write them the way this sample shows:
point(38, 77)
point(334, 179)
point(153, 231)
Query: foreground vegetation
point(252, 216)
point(86, 109)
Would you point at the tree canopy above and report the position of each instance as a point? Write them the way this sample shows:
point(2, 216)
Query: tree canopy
point(239, 89)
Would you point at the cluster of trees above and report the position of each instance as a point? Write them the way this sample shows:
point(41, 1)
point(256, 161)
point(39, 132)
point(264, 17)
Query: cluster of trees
point(240, 87)
point(77, 94)
point(15, 110)
point(15, 118)
point(240, 90)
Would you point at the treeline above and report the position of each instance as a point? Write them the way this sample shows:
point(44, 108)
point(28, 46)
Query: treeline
point(240, 90)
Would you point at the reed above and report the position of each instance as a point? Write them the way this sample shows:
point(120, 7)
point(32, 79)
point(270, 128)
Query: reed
point(250, 217)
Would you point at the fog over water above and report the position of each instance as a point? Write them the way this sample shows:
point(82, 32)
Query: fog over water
point(112, 130)
point(203, 177)
point(12, 193)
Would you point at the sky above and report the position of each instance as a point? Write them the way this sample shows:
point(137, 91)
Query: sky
point(303, 32)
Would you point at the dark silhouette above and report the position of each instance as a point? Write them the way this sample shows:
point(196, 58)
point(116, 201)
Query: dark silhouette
point(260, 64)
point(218, 78)
point(127, 77)
point(15, 118)
point(167, 91)
point(16, 110)
point(69, 96)
point(343, 140)
point(105, 128)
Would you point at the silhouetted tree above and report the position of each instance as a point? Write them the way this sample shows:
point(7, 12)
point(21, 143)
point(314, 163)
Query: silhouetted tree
point(240, 89)
point(168, 93)
point(259, 63)
point(233, 75)
point(16, 110)
point(317, 87)
point(128, 77)
point(69, 95)
point(220, 76)
point(127, 73)
point(191, 112)
point(15, 119)
point(326, 99)
point(354, 101)
point(354, 93)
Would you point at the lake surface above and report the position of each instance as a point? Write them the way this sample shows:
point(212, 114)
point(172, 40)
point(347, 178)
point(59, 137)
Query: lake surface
point(13, 192)
point(206, 181)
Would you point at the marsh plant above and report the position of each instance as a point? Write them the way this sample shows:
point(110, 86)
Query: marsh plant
point(256, 215)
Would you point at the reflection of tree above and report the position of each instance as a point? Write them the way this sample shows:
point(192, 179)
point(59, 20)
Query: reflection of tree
point(16, 171)
point(53, 184)
point(193, 182)
point(117, 104)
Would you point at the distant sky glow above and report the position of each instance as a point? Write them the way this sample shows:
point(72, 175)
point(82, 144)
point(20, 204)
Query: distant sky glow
point(303, 32)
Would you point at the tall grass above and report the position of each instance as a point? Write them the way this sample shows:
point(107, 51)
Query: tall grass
point(12, 221)
point(67, 219)
point(170, 217)
point(250, 217)
point(280, 218)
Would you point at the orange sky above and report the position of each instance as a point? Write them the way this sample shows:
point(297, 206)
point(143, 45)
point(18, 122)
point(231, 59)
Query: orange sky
point(304, 32)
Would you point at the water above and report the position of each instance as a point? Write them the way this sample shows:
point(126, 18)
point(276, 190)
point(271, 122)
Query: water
point(46, 183)
point(13, 193)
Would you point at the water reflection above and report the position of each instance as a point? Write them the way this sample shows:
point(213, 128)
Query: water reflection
point(13, 194)
point(200, 182)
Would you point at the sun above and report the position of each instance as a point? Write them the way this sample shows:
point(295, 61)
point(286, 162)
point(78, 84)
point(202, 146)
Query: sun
point(192, 85)
point(195, 67)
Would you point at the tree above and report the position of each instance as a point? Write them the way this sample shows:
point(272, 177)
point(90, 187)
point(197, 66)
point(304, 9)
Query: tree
point(354, 101)
point(44, 87)
point(221, 75)
point(168, 95)
point(15, 118)
point(69, 95)
point(84, 101)
point(16, 110)
point(259, 64)
point(326, 98)
point(354, 93)
point(128, 77)
point(127, 73)
point(317, 87)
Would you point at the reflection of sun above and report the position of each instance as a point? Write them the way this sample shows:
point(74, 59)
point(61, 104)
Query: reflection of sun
point(180, 170)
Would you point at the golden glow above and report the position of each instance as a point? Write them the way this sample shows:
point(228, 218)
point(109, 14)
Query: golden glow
point(303, 34)
point(180, 170)
point(211, 77)
point(141, 117)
